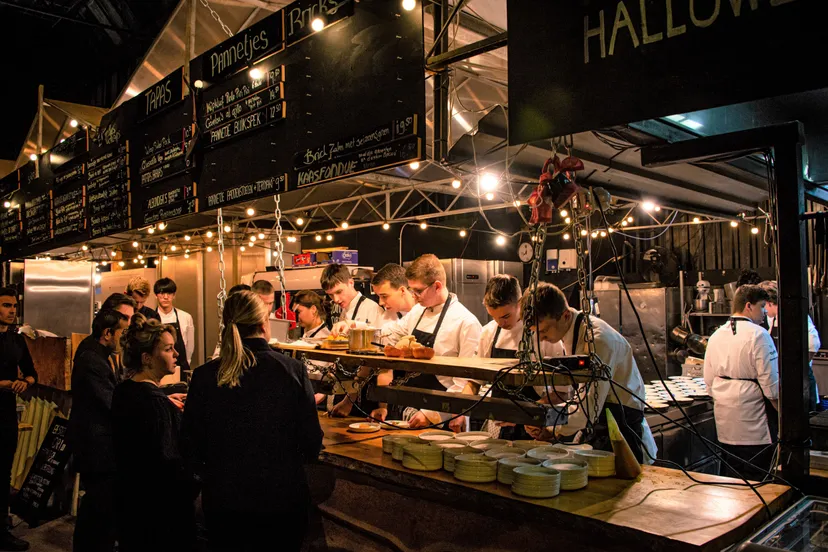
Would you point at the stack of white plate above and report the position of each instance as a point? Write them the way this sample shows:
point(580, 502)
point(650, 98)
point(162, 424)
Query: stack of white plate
point(527, 445)
point(489, 444)
point(449, 454)
point(582, 446)
point(436, 435)
point(601, 463)
point(395, 424)
point(549, 453)
point(506, 468)
point(505, 452)
point(472, 436)
point(536, 482)
point(677, 390)
point(574, 473)
point(420, 456)
point(398, 444)
point(475, 468)
point(388, 443)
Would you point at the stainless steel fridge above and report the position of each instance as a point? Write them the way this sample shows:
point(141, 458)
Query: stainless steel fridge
point(467, 278)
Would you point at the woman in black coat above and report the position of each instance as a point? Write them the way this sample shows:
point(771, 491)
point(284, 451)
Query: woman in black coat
point(154, 491)
point(249, 426)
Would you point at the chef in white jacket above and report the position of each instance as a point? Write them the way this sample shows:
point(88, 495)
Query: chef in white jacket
point(501, 338)
point(772, 326)
point(557, 321)
point(439, 321)
point(742, 375)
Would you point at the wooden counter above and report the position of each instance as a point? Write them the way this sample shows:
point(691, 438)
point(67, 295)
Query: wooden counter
point(661, 510)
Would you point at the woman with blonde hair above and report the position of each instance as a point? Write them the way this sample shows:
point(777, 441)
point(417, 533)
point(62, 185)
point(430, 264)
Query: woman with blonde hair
point(154, 490)
point(250, 425)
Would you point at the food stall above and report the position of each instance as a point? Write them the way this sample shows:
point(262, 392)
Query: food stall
point(227, 167)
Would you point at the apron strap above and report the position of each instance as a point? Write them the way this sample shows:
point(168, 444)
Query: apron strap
point(439, 320)
point(576, 334)
point(356, 309)
point(494, 342)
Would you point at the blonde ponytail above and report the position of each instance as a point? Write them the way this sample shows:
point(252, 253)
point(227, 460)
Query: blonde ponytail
point(244, 313)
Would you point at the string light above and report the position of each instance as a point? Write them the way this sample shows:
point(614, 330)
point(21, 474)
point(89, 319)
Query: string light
point(565, 236)
point(209, 235)
point(186, 251)
point(7, 204)
point(623, 223)
point(463, 233)
point(292, 239)
point(113, 254)
point(261, 235)
point(567, 220)
point(648, 206)
point(488, 182)
point(252, 239)
point(603, 234)
point(140, 256)
point(734, 224)
point(611, 230)
point(317, 24)
point(657, 208)
point(186, 255)
point(85, 247)
point(696, 220)
point(594, 235)
point(162, 225)
point(456, 184)
point(209, 249)
point(121, 263)
point(630, 220)
point(73, 123)
point(187, 237)
point(345, 225)
point(329, 237)
point(165, 257)
point(414, 165)
point(318, 237)
point(256, 73)
point(227, 228)
point(489, 196)
point(243, 248)
point(135, 244)
point(517, 203)
point(199, 84)
point(104, 263)
point(33, 157)
point(584, 232)
point(143, 261)
point(409, 5)
point(754, 230)
point(151, 230)
point(423, 225)
point(386, 226)
point(564, 213)
point(173, 248)
point(250, 211)
point(300, 221)
point(134, 261)
point(500, 240)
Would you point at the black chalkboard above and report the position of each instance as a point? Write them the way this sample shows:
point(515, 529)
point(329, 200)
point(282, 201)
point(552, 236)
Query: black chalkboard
point(9, 184)
point(66, 160)
point(344, 92)
point(108, 187)
point(250, 45)
point(163, 94)
point(68, 209)
point(11, 225)
point(63, 172)
point(37, 213)
point(44, 474)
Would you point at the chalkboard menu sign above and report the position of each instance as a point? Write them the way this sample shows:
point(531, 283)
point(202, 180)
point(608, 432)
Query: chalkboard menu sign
point(66, 160)
point(63, 171)
point(38, 213)
point(108, 188)
point(333, 104)
point(27, 175)
point(69, 211)
point(11, 225)
point(250, 45)
point(166, 93)
point(45, 473)
point(165, 156)
point(9, 184)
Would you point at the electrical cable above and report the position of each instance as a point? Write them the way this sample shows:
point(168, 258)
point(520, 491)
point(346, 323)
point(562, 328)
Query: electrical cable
point(655, 364)
point(668, 224)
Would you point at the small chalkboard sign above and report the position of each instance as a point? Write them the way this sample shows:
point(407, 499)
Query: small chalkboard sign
point(44, 474)
point(38, 212)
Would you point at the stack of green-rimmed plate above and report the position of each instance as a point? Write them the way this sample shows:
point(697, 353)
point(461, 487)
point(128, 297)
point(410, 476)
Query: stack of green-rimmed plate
point(472, 436)
point(436, 435)
point(574, 473)
point(506, 468)
point(399, 442)
point(505, 452)
point(450, 453)
point(581, 446)
point(536, 482)
point(421, 456)
point(488, 444)
point(475, 468)
point(552, 452)
point(601, 463)
point(388, 443)
point(528, 445)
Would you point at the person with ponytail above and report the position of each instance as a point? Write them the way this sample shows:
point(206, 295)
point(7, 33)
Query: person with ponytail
point(250, 425)
point(155, 492)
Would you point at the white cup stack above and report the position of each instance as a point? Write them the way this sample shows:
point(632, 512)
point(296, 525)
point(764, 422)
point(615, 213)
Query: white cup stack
point(449, 454)
point(475, 468)
point(601, 463)
point(574, 473)
point(423, 457)
point(536, 482)
point(506, 468)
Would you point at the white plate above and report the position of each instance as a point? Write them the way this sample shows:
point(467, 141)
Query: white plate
point(471, 436)
point(396, 424)
point(364, 427)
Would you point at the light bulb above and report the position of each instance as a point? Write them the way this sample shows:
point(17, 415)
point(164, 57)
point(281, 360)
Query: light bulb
point(630, 220)
point(227, 228)
point(140, 256)
point(104, 263)
point(251, 211)
point(151, 230)
point(199, 83)
point(500, 240)
point(409, 5)
point(564, 213)
point(734, 224)
point(121, 263)
point(7, 204)
point(33, 157)
point(300, 221)
point(345, 225)
point(292, 239)
point(456, 184)
point(584, 232)
point(329, 237)
point(488, 182)
point(186, 255)
point(165, 257)
point(603, 234)
point(657, 208)
point(534, 238)
point(317, 24)
point(567, 220)
point(113, 253)
point(566, 236)
point(489, 196)
point(143, 261)
point(85, 247)
point(623, 223)
point(318, 237)
point(754, 230)
point(463, 233)
point(173, 248)
point(414, 165)
point(261, 235)
point(73, 123)
point(423, 225)
point(134, 261)
point(517, 203)
point(696, 220)
point(648, 206)
point(252, 239)
point(187, 237)
point(256, 73)
point(243, 248)
point(209, 234)
point(135, 244)
point(386, 226)
point(162, 225)
point(209, 249)
point(594, 235)
point(611, 230)
point(185, 251)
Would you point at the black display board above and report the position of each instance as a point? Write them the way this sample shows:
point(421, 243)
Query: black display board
point(37, 216)
point(63, 170)
point(579, 65)
point(11, 226)
point(45, 473)
point(331, 104)
point(162, 95)
point(9, 184)
point(108, 177)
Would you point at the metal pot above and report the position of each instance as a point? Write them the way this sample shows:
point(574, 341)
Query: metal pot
point(701, 305)
point(680, 334)
point(362, 339)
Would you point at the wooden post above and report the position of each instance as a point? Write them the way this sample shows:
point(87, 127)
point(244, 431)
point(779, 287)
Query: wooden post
point(189, 44)
point(39, 128)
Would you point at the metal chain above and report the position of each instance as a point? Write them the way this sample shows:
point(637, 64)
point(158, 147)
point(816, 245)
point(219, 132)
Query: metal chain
point(404, 379)
point(222, 294)
point(216, 16)
point(525, 348)
point(280, 258)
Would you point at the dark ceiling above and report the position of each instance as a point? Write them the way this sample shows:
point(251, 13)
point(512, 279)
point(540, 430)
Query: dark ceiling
point(82, 51)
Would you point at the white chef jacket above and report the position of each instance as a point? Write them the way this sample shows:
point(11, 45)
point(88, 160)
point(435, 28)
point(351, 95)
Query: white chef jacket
point(738, 405)
point(458, 336)
point(614, 350)
point(322, 331)
point(369, 311)
point(814, 342)
point(187, 329)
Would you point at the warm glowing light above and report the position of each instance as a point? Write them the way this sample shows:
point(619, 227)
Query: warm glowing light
point(300, 221)
point(186, 251)
point(490, 196)
point(85, 247)
point(140, 256)
point(256, 73)
point(251, 211)
point(317, 24)
point(409, 5)
point(121, 263)
point(252, 239)
point(187, 237)
point(488, 182)
point(186, 255)
point(500, 240)
point(261, 235)
point(564, 213)
point(33, 157)
point(143, 261)
point(423, 225)
point(165, 257)
point(657, 208)
point(209, 234)
point(135, 244)
point(209, 249)
point(151, 230)
point(292, 239)
point(611, 230)
point(386, 226)
point(7, 204)
point(566, 236)
point(227, 228)
point(243, 248)
point(329, 237)
point(584, 232)
point(648, 206)
point(734, 224)
point(134, 261)
point(594, 235)
point(414, 165)
point(456, 184)
point(345, 225)
point(603, 234)
point(754, 230)
point(162, 225)
point(318, 237)
point(623, 223)
point(199, 83)
point(113, 253)
point(517, 203)
point(173, 248)
point(696, 220)
point(73, 123)
point(630, 220)
point(567, 220)
point(104, 263)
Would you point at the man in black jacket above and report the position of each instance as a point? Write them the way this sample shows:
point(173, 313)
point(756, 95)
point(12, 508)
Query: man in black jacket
point(14, 356)
point(90, 428)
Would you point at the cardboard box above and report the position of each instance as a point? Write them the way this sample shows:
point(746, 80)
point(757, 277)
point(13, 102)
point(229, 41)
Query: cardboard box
point(304, 259)
point(341, 256)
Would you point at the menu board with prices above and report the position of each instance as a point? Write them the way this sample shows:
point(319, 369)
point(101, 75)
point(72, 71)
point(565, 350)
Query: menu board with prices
point(66, 161)
point(244, 192)
point(108, 189)
point(242, 105)
point(68, 208)
point(38, 214)
point(45, 474)
point(11, 228)
point(170, 204)
point(165, 156)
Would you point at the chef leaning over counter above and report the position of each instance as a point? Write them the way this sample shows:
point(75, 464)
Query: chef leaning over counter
point(557, 321)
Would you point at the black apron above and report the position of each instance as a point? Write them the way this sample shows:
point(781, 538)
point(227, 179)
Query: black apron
point(316, 331)
point(629, 419)
point(516, 432)
point(426, 381)
point(356, 309)
point(180, 347)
